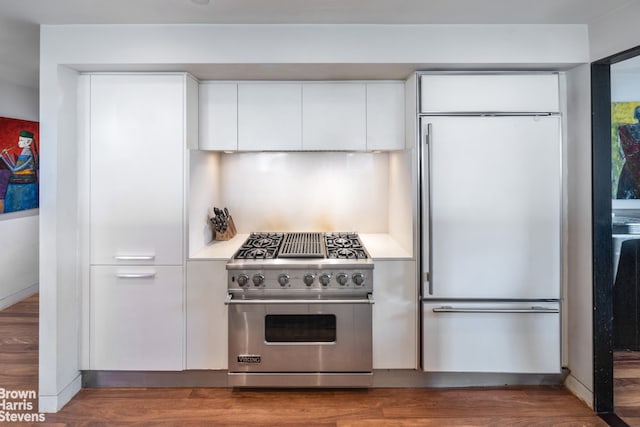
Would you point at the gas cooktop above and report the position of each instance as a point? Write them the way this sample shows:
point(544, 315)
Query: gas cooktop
point(335, 245)
point(301, 261)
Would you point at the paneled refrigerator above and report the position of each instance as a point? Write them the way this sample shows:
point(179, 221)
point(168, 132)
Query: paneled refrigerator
point(491, 216)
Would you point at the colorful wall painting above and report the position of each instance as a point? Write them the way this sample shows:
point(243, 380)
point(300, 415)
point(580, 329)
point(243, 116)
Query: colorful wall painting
point(19, 164)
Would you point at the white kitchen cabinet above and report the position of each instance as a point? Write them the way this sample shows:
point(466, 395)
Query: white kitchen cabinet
point(136, 318)
point(395, 315)
point(513, 337)
point(206, 339)
point(218, 112)
point(137, 149)
point(462, 93)
point(334, 116)
point(269, 116)
point(385, 116)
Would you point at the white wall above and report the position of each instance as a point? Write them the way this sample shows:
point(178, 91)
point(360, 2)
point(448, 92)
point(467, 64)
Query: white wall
point(324, 191)
point(18, 231)
point(60, 291)
point(615, 32)
point(202, 195)
point(625, 85)
point(578, 234)
point(121, 47)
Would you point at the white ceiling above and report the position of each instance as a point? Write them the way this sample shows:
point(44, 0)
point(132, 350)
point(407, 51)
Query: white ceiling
point(19, 19)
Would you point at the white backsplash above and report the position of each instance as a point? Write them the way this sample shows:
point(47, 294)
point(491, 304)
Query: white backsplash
point(321, 191)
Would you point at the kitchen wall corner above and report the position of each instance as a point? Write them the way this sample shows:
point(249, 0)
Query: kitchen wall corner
point(203, 193)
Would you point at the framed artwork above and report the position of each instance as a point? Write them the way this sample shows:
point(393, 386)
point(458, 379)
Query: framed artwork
point(19, 164)
point(625, 150)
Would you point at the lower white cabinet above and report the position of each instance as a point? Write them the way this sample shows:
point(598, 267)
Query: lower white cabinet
point(137, 318)
point(395, 315)
point(514, 337)
point(206, 315)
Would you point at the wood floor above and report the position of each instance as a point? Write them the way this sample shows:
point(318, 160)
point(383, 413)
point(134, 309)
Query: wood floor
point(626, 382)
point(505, 406)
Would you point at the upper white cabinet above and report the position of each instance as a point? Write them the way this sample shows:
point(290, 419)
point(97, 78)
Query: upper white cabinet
point(385, 116)
point(269, 116)
point(218, 116)
point(298, 116)
point(459, 93)
point(137, 132)
point(334, 116)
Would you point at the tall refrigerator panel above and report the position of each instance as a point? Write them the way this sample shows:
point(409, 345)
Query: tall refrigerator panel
point(491, 207)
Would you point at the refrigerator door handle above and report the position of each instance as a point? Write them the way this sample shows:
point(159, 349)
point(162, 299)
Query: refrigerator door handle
point(425, 188)
point(533, 309)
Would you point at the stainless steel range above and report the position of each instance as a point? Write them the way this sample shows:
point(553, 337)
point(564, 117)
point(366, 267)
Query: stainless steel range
point(300, 311)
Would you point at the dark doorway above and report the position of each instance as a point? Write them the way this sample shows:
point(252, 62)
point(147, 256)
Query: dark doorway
point(602, 243)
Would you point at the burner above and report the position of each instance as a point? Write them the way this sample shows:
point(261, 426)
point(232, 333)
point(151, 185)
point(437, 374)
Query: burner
point(344, 246)
point(342, 242)
point(263, 242)
point(347, 253)
point(260, 246)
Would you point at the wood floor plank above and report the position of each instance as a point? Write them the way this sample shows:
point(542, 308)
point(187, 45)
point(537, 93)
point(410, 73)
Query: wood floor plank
point(626, 374)
point(548, 406)
point(477, 422)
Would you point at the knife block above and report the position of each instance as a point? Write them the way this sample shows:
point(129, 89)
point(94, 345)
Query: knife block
point(228, 233)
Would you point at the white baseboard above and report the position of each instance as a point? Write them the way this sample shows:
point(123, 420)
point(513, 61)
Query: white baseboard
point(18, 296)
point(579, 390)
point(51, 404)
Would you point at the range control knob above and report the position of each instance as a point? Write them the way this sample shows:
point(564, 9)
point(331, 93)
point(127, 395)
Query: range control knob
point(283, 279)
point(342, 279)
point(358, 279)
point(258, 279)
point(308, 279)
point(243, 279)
point(324, 279)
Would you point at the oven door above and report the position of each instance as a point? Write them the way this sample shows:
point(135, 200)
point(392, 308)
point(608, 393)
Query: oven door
point(297, 336)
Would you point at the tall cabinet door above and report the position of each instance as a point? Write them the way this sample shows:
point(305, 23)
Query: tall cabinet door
point(495, 207)
point(137, 152)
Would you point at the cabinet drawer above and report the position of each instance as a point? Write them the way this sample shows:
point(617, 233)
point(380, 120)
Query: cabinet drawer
point(442, 93)
point(519, 337)
point(137, 318)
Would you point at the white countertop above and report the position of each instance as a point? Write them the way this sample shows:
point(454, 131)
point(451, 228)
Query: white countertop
point(220, 249)
point(380, 246)
point(383, 246)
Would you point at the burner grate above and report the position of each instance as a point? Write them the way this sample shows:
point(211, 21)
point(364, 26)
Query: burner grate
point(302, 245)
point(344, 246)
point(260, 246)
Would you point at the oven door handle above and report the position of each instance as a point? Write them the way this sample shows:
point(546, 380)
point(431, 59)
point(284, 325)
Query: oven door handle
point(229, 300)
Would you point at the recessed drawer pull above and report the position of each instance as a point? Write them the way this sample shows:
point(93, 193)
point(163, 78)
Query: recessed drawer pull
point(136, 275)
point(534, 309)
point(134, 257)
